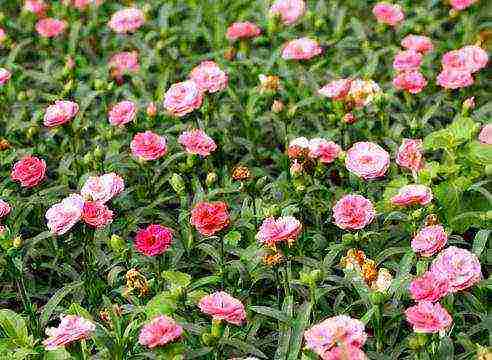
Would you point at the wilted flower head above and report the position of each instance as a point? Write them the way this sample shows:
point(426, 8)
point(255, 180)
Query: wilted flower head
point(367, 160)
point(429, 287)
point(29, 171)
point(197, 142)
point(71, 328)
point(241, 173)
point(387, 13)
point(273, 231)
point(288, 10)
point(269, 83)
point(122, 113)
point(210, 217)
point(126, 20)
point(159, 332)
point(336, 89)
point(60, 113)
point(182, 98)
point(102, 188)
point(409, 154)
point(4, 76)
point(151, 109)
point(349, 118)
point(427, 317)
point(242, 30)
point(209, 77)
point(362, 92)
point(153, 240)
point(301, 49)
point(412, 81)
point(324, 150)
point(148, 146)
point(485, 136)
point(407, 60)
point(49, 27)
point(4, 208)
point(419, 43)
point(353, 212)
point(65, 214)
point(383, 281)
point(429, 240)
point(222, 306)
point(412, 195)
point(136, 281)
point(461, 4)
point(124, 62)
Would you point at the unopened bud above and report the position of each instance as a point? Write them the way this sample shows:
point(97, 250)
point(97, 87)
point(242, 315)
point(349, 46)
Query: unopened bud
point(349, 118)
point(177, 183)
point(211, 178)
point(230, 54)
point(116, 243)
point(277, 106)
point(17, 242)
point(151, 109)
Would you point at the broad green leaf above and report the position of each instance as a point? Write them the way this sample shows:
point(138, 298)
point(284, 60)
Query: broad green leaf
point(161, 304)
point(57, 297)
point(177, 279)
point(271, 312)
point(15, 327)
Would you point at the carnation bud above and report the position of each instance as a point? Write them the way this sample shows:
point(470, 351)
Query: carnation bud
point(211, 178)
point(230, 54)
point(316, 275)
point(488, 170)
point(296, 168)
point(304, 278)
point(21, 96)
point(17, 242)
point(33, 130)
point(217, 328)
point(291, 111)
point(377, 297)
point(272, 211)
point(349, 118)
point(4, 144)
point(98, 153)
point(151, 109)
point(87, 159)
point(208, 339)
point(319, 23)
point(177, 183)
point(469, 103)
point(277, 106)
point(99, 84)
point(116, 243)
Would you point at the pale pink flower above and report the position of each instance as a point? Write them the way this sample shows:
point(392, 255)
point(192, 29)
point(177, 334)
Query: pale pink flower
point(65, 214)
point(362, 92)
point(344, 353)
point(461, 4)
point(148, 146)
point(159, 332)
point(387, 13)
point(222, 306)
point(336, 89)
point(353, 212)
point(273, 231)
point(122, 113)
point(102, 188)
point(242, 30)
point(71, 328)
point(410, 154)
point(209, 77)
point(469, 103)
point(124, 63)
point(419, 43)
point(5, 76)
point(461, 267)
point(412, 81)
point(83, 4)
point(407, 60)
point(126, 20)
point(469, 58)
point(412, 195)
point(288, 10)
point(197, 142)
point(37, 7)
point(4, 208)
point(96, 214)
point(485, 136)
point(301, 49)
point(429, 287)
point(324, 150)
point(60, 113)
point(3, 35)
point(49, 27)
point(454, 79)
point(367, 160)
point(182, 98)
point(429, 240)
point(427, 317)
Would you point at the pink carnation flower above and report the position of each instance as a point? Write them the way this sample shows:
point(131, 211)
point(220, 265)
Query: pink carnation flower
point(349, 118)
point(407, 60)
point(124, 62)
point(126, 20)
point(102, 188)
point(344, 353)
point(273, 231)
point(324, 150)
point(461, 4)
point(65, 214)
point(461, 267)
point(301, 49)
point(122, 113)
point(153, 240)
point(3, 35)
point(429, 240)
point(427, 317)
point(96, 214)
point(470, 58)
point(429, 287)
point(71, 328)
point(242, 30)
point(353, 212)
point(222, 306)
point(412, 195)
point(336, 89)
point(197, 142)
point(4, 208)
point(387, 13)
point(182, 98)
point(485, 136)
point(209, 77)
point(210, 217)
point(83, 4)
point(60, 113)
point(454, 79)
point(367, 160)
point(29, 171)
point(410, 154)
point(148, 146)
point(37, 7)
point(288, 10)
point(159, 332)
point(49, 27)
point(5, 76)
point(412, 81)
point(419, 43)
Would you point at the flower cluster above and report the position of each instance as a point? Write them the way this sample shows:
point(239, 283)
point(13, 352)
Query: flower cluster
point(353, 92)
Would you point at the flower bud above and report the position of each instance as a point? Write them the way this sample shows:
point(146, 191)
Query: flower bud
point(177, 183)
point(4, 144)
point(296, 168)
point(116, 243)
point(211, 178)
point(151, 109)
point(87, 159)
point(17, 242)
point(230, 54)
point(98, 153)
point(469, 103)
point(277, 106)
point(33, 130)
point(99, 84)
point(377, 297)
point(216, 328)
point(349, 118)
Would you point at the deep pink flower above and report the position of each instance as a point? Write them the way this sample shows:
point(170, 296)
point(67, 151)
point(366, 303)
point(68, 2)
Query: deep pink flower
point(301, 49)
point(5, 76)
point(65, 214)
point(410, 154)
point(344, 353)
point(122, 113)
point(469, 58)
point(209, 77)
point(124, 62)
point(429, 287)
point(336, 89)
point(288, 10)
point(4, 208)
point(485, 136)
point(3, 35)
point(182, 98)
point(427, 317)
point(60, 113)
point(367, 160)
point(148, 146)
point(353, 212)
point(153, 240)
point(429, 240)
point(29, 171)
point(461, 4)
point(71, 328)
point(324, 150)
point(412, 81)
point(454, 79)
point(461, 267)
point(210, 217)
point(407, 60)
point(35, 6)
point(49, 27)
point(96, 214)
point(102, 188)
point(197, 142)
point(126, 20)
point(387, 13)
point(242, 30)
point(419, 43)
point(159, 332)
point(273, 231)
point(412, 195)
point(222, 306)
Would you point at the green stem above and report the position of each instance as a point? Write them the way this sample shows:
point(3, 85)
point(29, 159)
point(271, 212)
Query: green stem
point(222, 267)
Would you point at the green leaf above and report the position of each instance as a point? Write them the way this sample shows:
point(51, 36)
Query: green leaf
point(463, 129)
point(299, 325)
point(161, 304)
point(15, 327)
point(58, 354)
point(271, 312)
point(76, 309)
point(177, 279)
point(57, 297)
point(232, 238)
point(243, 346)
point(480, 153)
point(480, 241)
